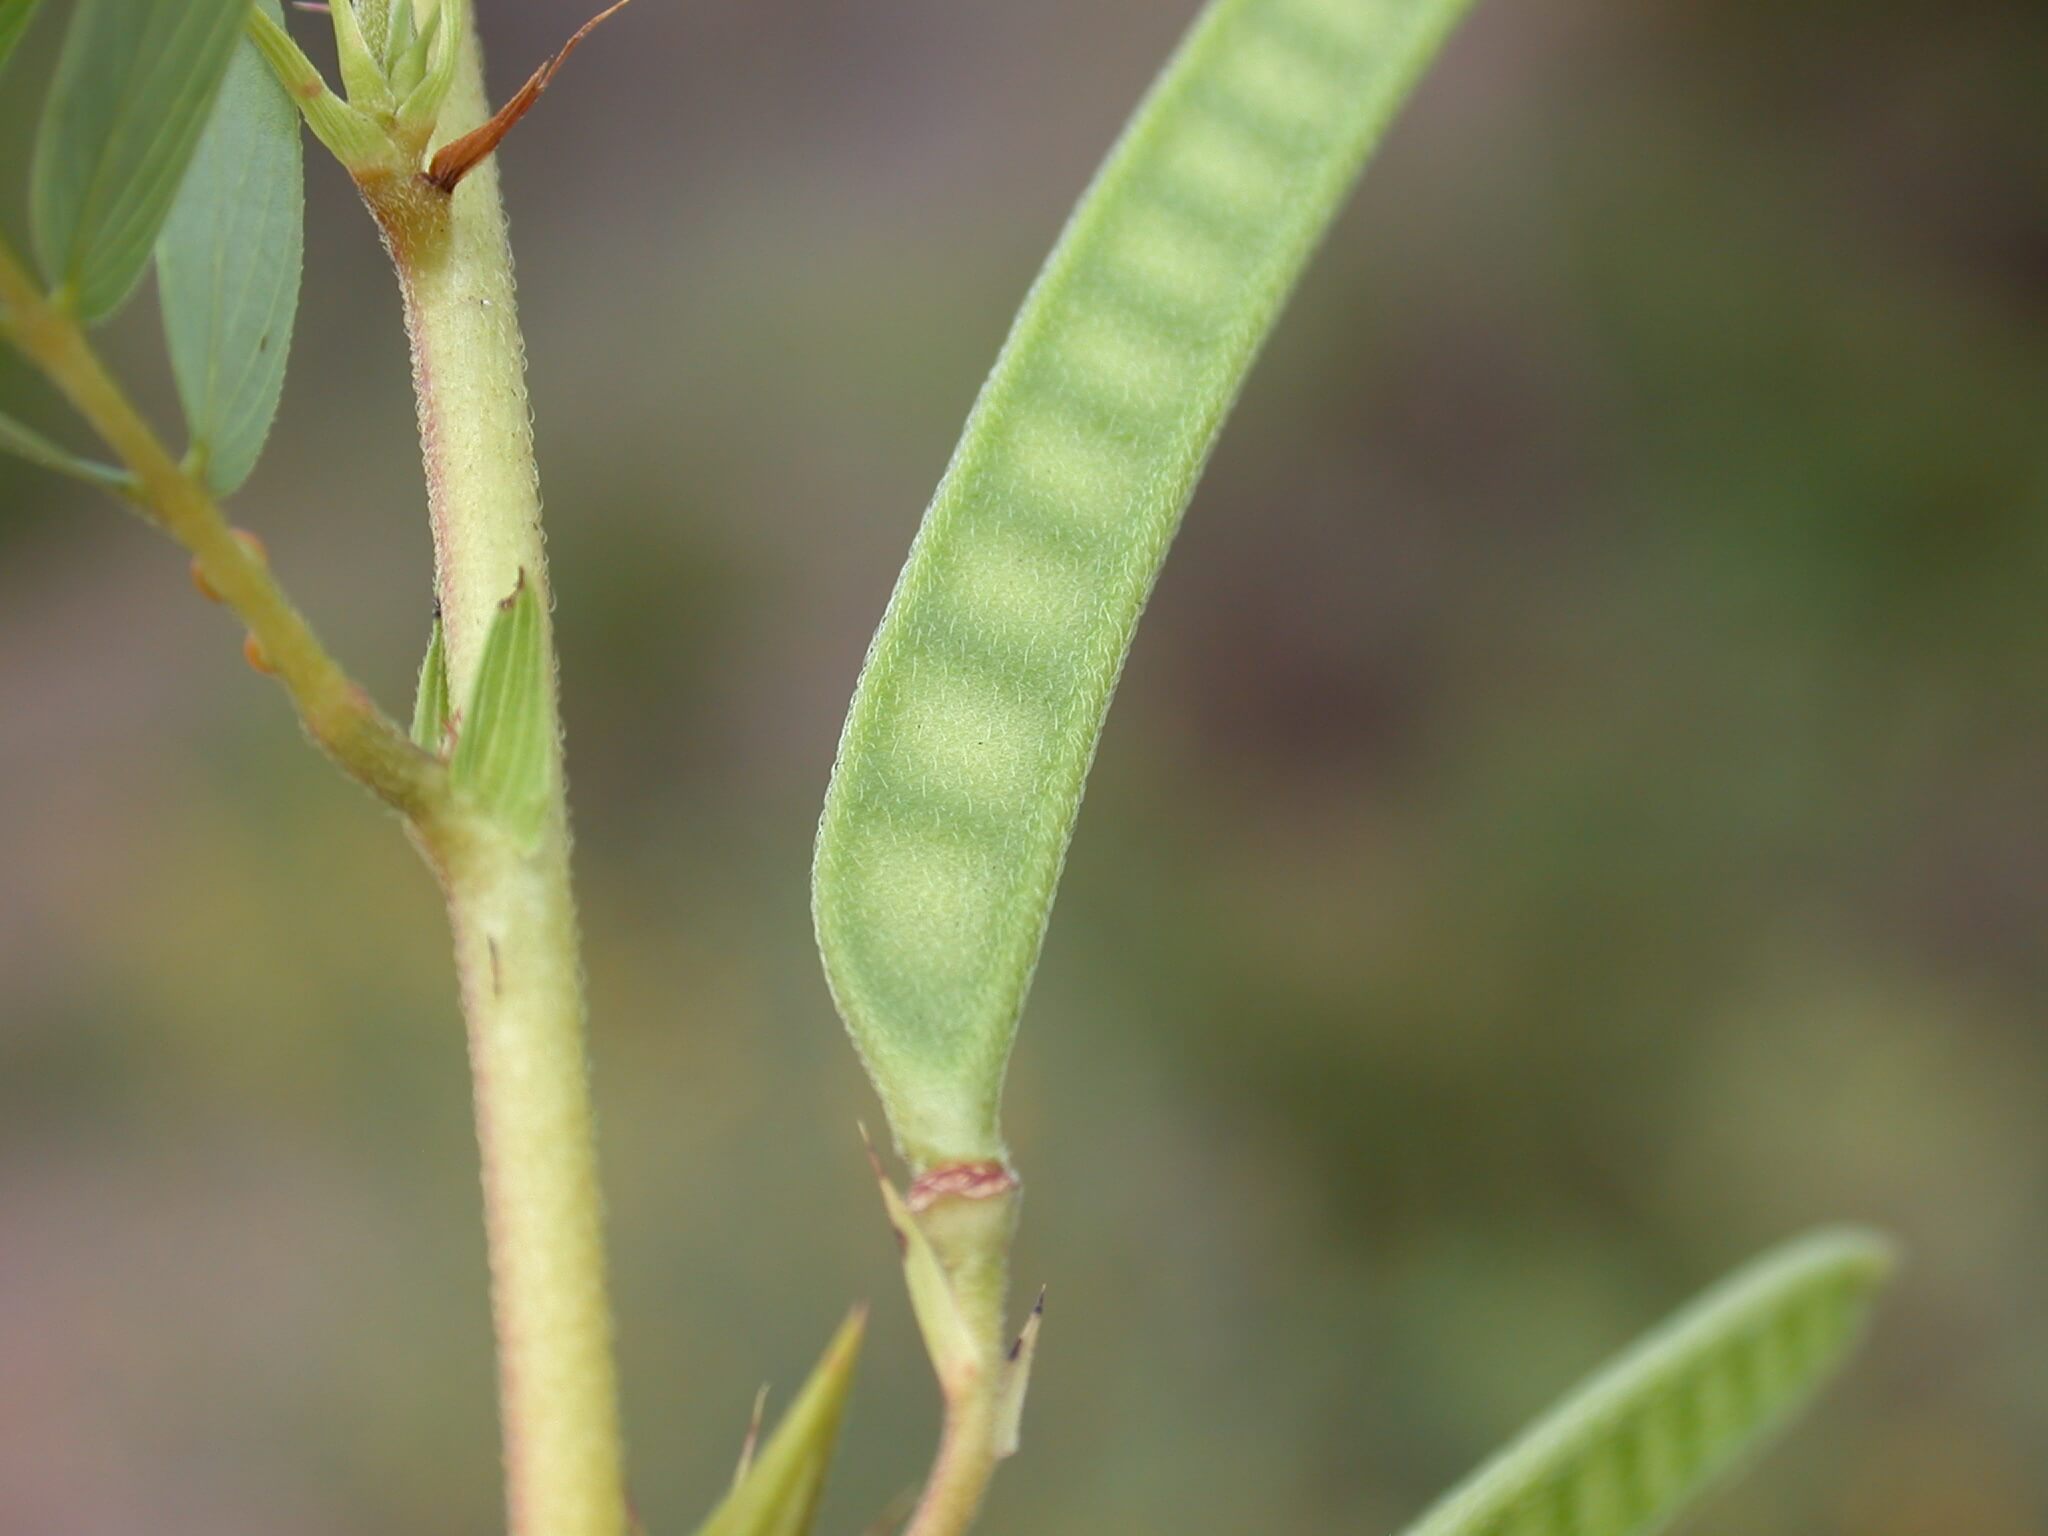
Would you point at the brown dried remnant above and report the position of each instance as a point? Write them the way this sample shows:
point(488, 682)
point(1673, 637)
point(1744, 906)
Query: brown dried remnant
point(458, 157)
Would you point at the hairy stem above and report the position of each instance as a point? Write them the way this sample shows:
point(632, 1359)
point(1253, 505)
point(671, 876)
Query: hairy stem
point(970, 1234)
point(961, 1472)
point(509, 899)
point(337, 713)
point(516, 955)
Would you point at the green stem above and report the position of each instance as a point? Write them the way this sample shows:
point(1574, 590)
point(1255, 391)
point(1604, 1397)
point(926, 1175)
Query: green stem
point(509, 898)
point(510, 903)
point(516, 955)
point(961, 1472)
point(337, 713)
point(971, 1238)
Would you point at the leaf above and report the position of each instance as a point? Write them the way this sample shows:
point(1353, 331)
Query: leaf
point(965, 752)
point(135, 82)
point(228, 265)
point(430, 702)
point(25, 442)
point(779, 1491)
point(1622, 1454)
point(15, 16)
point(501, 760)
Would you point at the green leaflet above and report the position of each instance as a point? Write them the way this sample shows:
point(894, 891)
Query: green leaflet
point(26, 443)
point(961, 768)
point(14, 19)
point(228, 265)
point(501, 754)
point(777, 1492)
point(134, 84)
point(1623, 1453)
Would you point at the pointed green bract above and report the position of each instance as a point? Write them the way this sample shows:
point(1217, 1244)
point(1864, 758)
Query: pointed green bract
point(961, 768)
point(135, 82)
point(501, 756)
point(778, 1493)
point(353, 137)
point(411, 49)
point(14, 19)
point(25, 442)
point(1626, 1451)
point(397, 23)
point(1017, 1383)
point(430, 700)
point(228, 265)
point(437, 46)
point(362, 71)
point(948, 1339)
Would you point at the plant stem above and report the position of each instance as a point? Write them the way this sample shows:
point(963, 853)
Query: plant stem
point(337, 713)
point(509, 898)
point(971, 1237)
point(961, 1472)
point(509, 901)
point(516, 956)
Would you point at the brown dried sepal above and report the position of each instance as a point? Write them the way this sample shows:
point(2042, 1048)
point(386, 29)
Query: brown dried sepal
point(458, 157)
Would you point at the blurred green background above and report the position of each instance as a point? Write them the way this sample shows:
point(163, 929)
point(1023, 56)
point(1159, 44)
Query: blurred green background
point(1577, 811)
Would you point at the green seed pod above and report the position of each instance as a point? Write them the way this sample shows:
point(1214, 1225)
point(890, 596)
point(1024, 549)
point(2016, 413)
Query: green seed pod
point(971, 731)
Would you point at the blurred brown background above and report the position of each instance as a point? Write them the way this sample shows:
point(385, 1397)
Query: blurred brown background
point(1577, 812)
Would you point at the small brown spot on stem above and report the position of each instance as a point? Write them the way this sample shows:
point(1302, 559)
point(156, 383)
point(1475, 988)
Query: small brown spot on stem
point(257, 657)
point(458, 157)
point(497, 974)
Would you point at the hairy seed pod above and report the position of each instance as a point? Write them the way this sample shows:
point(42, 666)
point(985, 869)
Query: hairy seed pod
point(961, 769)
